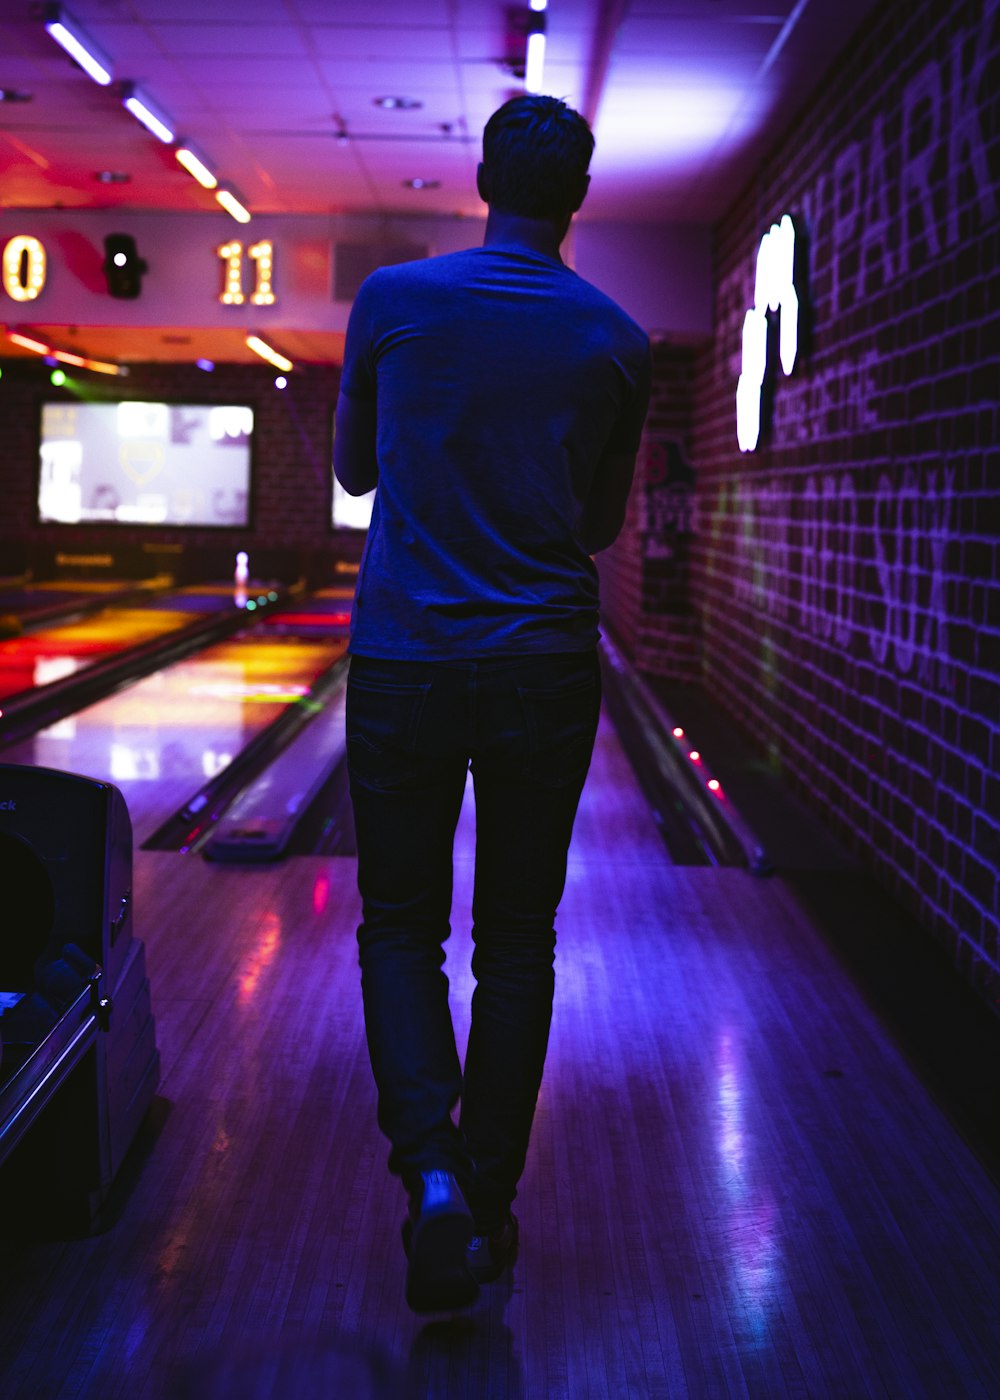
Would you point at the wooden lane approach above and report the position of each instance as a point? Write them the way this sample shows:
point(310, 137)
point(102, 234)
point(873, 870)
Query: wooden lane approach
point(737, 1186)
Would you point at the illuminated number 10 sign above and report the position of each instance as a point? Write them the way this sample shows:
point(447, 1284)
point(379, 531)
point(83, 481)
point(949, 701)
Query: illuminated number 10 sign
point(262, 256)
point(23, 270)
point(774, 290)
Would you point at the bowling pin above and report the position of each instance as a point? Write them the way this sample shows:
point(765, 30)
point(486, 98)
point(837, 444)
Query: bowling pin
point(240, 579)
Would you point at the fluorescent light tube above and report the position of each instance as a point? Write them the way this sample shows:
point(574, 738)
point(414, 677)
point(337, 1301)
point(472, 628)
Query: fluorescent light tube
point(70, 37)
point(65, 356)
point(261, 348)
point(536, 60)
point(141, 108)
point(27, 343)
point(196, 167)
point(232, 206)
point(84, 362)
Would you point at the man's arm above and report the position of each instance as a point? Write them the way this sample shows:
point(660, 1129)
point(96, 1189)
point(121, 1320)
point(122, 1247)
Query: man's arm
point(354, 459)
point(604, 512)
point(604, 509)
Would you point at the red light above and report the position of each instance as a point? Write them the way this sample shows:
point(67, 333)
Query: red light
point(714, 785)
point(678, 733)
point(694, 756)
point(321, 893)
point(306, 619)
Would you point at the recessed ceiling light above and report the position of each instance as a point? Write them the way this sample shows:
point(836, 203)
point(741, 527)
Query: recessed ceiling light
point(398, 104)
point(418, 184)
point(14, 95)
point(112, 177)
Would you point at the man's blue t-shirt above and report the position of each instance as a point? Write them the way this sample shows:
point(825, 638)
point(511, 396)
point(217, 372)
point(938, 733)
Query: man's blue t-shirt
point(501, 379)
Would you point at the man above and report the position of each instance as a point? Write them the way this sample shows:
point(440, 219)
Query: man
point(496, 400)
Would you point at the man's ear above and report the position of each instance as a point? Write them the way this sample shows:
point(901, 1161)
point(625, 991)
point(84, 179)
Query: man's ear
point(483, 182)
point(584, 187)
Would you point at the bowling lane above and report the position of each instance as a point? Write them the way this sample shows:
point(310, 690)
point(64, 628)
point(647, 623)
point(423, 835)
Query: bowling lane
point(161, 738)
point(48, 655)
point(26, 599)
point(326, 611)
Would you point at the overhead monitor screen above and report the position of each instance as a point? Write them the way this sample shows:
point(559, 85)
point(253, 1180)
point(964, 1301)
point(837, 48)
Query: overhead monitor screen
point(136, 463)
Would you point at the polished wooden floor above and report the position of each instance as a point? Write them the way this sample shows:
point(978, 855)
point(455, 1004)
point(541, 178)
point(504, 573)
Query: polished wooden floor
point(737, 1186)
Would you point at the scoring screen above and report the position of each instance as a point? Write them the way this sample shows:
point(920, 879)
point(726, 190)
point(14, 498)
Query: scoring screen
point(145, 463)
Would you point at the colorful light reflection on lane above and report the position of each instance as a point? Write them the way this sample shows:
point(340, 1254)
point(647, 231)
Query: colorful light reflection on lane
point(267, 693)
point(157, 740)
point(259, 957)
point(28, 661)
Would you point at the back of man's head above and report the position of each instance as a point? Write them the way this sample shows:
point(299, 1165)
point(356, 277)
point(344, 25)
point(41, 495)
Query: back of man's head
point(536, 151)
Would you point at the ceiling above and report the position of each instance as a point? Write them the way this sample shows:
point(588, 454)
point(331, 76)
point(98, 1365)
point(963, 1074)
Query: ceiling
point(279, 97)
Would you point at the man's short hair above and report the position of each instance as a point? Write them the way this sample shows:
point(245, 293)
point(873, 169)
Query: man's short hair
point(536, 151)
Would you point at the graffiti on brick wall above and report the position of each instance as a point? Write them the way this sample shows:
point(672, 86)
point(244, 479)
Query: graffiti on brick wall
point(665, 500)
point(888, 211)
point(853, 568)
point(841, 398)
point(903, 192)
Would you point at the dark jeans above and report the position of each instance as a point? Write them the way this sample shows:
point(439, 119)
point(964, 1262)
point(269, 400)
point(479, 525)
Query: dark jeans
point(526, 725)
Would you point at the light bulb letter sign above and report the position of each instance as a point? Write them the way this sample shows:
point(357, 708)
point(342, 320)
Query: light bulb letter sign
point(23, 268)
point(262, 256)
point(232, 257)
point(774, 290)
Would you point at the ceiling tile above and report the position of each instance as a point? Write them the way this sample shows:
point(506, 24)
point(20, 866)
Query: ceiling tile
point(390, 12)
point(246, 72)
point(383, 44)
point(247, 39)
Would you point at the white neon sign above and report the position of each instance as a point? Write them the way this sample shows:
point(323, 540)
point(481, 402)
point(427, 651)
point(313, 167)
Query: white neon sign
point(774, 290)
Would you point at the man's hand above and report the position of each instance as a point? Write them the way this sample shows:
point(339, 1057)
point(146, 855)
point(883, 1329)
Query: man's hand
point(354, 459)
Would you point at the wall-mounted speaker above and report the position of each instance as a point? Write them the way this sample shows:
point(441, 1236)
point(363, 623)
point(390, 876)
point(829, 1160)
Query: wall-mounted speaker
point(123, 267)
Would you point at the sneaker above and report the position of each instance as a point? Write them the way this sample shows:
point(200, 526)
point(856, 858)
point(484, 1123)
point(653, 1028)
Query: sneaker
point(436, 1239)
point(491, 1253)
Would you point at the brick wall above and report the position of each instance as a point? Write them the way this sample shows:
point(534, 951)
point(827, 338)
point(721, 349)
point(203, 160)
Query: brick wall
point(293, 433)
point(645, 574)
point(845, 574)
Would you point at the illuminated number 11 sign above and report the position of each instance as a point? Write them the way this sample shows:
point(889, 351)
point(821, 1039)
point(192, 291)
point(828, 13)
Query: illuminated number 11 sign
point(774, 290)
point(262, 256)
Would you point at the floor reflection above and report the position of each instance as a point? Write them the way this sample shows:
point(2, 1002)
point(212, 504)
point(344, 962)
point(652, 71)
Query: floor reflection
point(474, 1354)
point(750, 1225)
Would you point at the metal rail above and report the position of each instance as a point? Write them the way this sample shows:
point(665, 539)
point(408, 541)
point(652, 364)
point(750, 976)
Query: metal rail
point(33, 1085)
point(698, 826)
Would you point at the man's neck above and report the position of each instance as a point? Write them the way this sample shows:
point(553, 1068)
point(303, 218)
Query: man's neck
point(540, 235)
